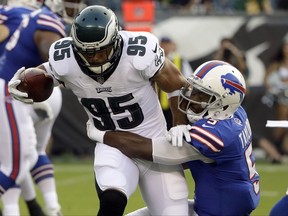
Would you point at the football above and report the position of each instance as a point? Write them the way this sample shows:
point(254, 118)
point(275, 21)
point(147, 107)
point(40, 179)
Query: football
point(37, 83)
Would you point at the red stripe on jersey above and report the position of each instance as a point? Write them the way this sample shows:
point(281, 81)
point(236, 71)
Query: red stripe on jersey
point(14, 136)
point(51, 19)
point(208, 134)
point(53, 23)
point(205, 142)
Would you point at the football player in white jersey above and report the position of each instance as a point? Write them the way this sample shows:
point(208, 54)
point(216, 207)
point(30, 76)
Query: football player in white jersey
point(112, 73)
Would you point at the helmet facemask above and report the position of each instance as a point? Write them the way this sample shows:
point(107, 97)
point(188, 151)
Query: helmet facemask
point(108, 54)
point(196, 100)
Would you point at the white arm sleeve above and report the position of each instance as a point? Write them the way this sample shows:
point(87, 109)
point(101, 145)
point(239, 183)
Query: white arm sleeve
point(49, 71)
point(165, 153)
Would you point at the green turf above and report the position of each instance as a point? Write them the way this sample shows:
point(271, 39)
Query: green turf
point(75, 184)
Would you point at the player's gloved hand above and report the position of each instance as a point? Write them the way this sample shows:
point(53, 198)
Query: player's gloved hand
point(177, 134)
point(43, 110)
point(93, 133)
point(12, 88)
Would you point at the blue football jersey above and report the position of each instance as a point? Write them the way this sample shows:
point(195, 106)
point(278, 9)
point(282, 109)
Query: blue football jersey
point(230, 185)
point(11, 17)
point(21, 50)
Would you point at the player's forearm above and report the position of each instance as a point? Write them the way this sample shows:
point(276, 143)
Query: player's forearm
point(178, 116)
point(132, 145)
point(158, 150)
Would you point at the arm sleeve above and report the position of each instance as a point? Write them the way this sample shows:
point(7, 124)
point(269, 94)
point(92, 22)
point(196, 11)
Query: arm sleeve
point(165, 153)
point(50, 71)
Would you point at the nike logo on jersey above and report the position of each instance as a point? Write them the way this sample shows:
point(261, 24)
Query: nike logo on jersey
point(207, 126)
point(155, 50)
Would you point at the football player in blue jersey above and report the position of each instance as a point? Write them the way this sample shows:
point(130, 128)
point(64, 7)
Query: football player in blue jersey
point(29, 45)
point(281, 207)
point(226, 180)
point(10, 19)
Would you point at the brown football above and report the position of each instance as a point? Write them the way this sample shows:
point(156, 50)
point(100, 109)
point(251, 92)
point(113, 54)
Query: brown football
point(37, 83)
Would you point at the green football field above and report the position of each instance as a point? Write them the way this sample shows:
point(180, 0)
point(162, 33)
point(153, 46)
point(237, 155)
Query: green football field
point(75, 184)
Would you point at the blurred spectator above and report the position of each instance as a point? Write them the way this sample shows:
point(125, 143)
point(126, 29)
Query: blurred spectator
point(224, 6)
point(276, 83)
point(254, 7)
point(272, 153)
point(180, 5)
point(114, 5)
point(176, 3)
point(228, 51)
point(170, 49)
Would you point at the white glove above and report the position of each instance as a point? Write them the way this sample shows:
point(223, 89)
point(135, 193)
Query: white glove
point(12, 88)
point(177, 134)
point(93, 133)
point(47, 112)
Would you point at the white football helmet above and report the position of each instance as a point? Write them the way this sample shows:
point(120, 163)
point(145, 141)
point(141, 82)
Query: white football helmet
point(215, 90)
point(95, 30)
point(72, 8)
point(55, 6)
point(67, 9)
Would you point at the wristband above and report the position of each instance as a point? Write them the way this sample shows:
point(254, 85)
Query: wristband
point(94, 134)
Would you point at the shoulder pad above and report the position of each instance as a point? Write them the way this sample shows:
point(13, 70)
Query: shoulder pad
point(153, 56)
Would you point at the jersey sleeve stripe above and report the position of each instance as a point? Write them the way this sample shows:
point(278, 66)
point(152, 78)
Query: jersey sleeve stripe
point(52, 25)
point(209, 135)
point(205, 142)
point(51, 22)
point(49, 18)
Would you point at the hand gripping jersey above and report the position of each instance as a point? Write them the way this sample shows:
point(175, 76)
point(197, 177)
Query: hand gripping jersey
point(121, 98)
point(230, 185)
point(11, 17)
point(20, 50)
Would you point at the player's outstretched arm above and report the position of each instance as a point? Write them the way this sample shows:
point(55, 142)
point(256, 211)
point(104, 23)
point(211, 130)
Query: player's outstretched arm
point(132, 145)
point(158, 150)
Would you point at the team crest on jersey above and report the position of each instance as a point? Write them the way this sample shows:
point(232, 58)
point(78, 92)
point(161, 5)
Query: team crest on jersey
point(159, 58)
point(229, 81)
point(106, 89)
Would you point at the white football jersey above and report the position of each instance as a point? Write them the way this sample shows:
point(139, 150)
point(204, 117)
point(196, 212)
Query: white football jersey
point(121, 99)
